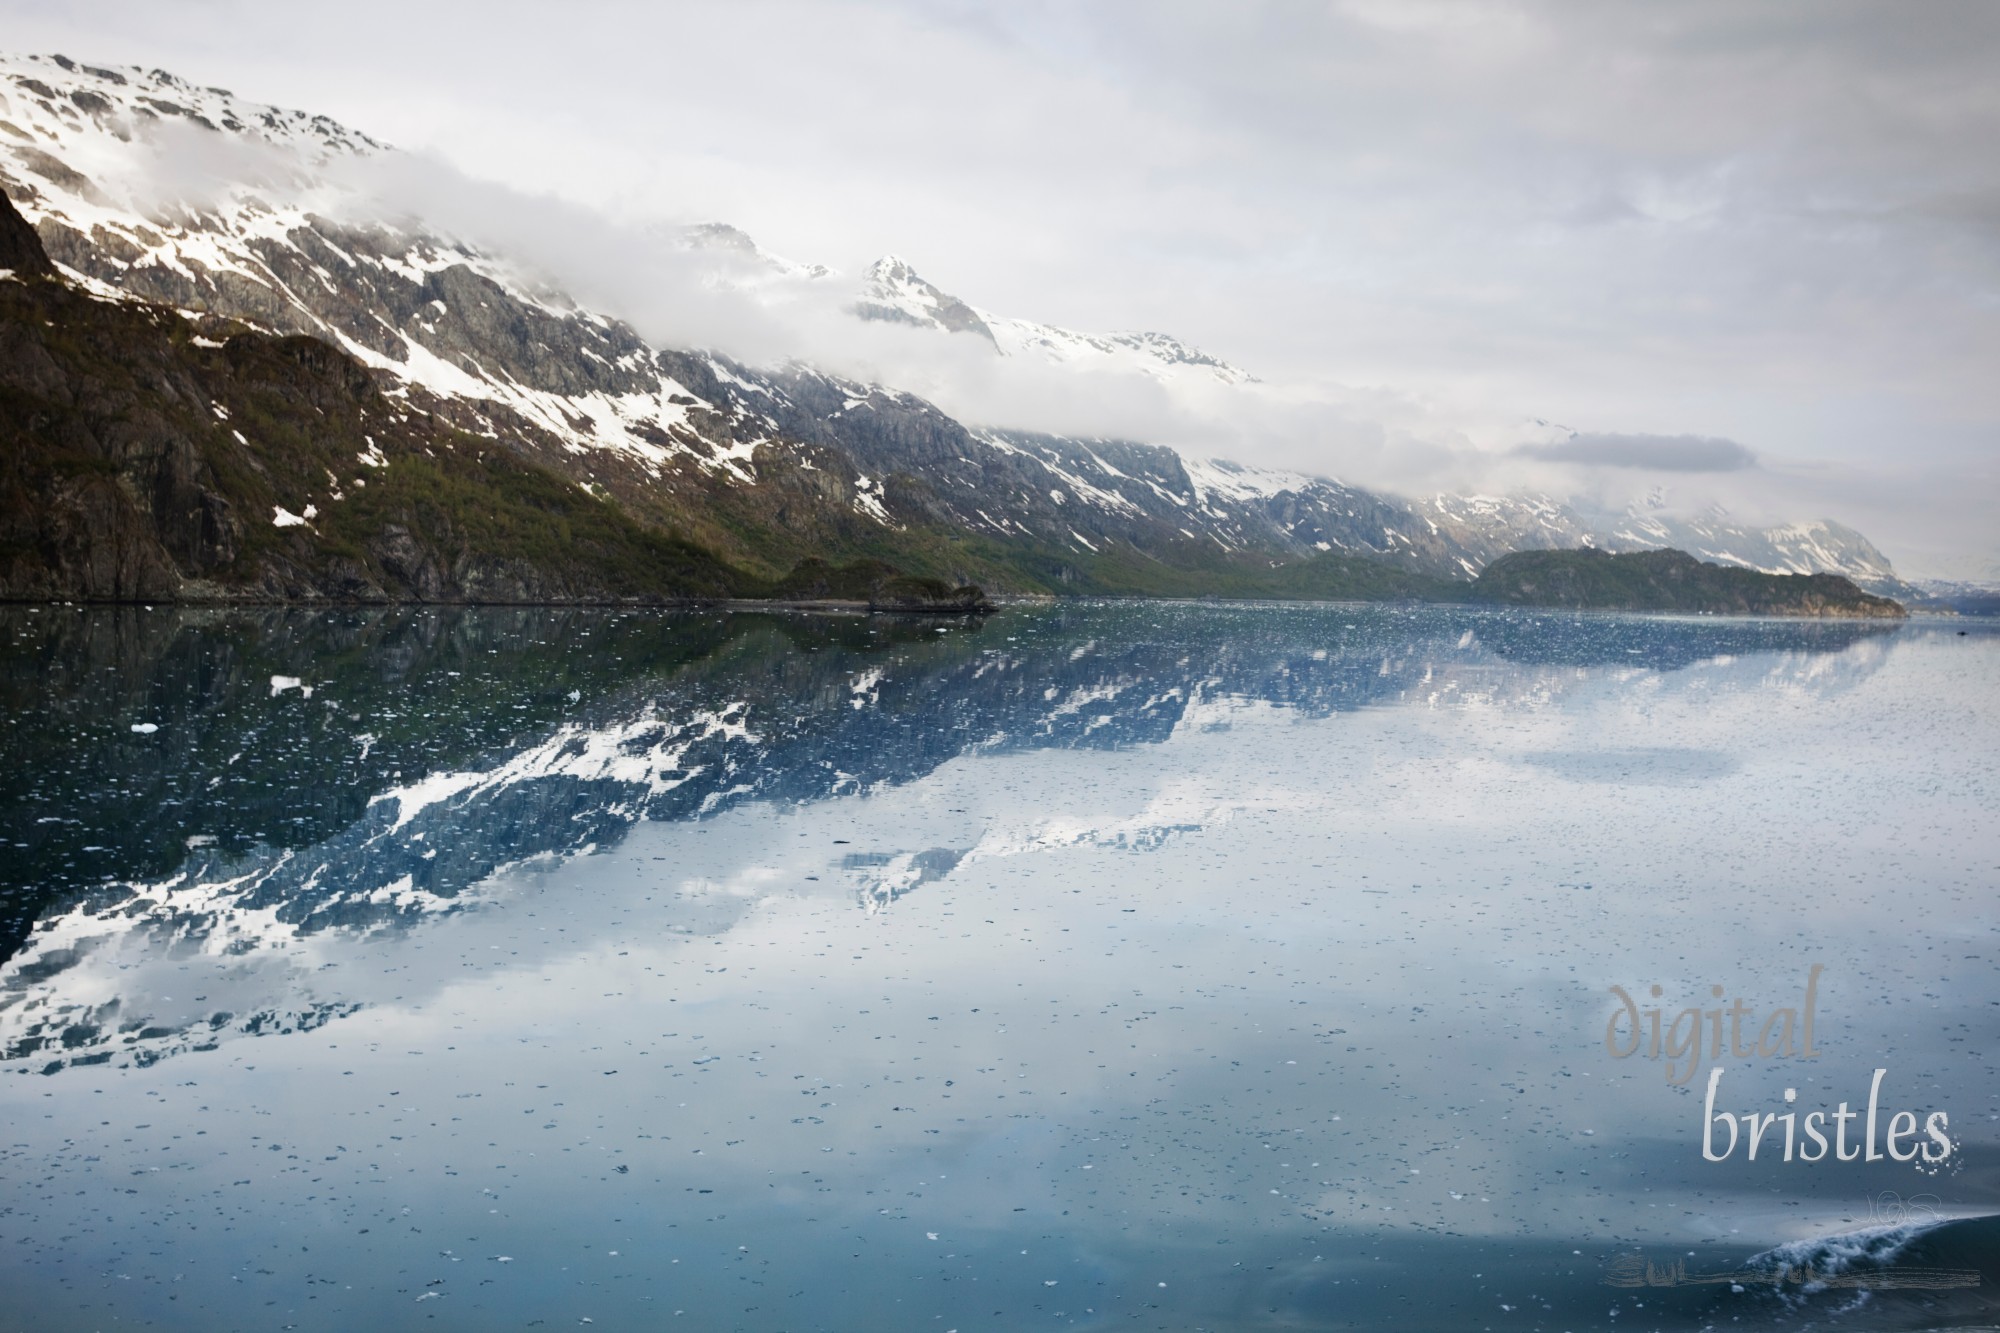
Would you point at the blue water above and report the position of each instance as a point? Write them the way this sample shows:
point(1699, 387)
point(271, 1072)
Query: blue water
point(1152, 966)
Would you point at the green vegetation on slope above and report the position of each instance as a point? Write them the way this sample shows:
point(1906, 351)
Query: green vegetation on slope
point(1596, 580)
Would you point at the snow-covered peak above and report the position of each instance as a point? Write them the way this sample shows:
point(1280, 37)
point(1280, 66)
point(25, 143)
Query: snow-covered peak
point(721, 238)
point(1155, 354)
point(893, 290)
point(1172, 352)
point(59, 101)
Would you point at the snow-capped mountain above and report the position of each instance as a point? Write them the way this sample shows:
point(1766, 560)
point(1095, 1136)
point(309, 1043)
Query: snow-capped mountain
point(893, 290)
point(896, 293)
point(721, 238)
point(760, 466)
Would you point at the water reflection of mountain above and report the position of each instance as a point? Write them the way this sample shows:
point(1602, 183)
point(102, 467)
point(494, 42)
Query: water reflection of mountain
point(360, 770)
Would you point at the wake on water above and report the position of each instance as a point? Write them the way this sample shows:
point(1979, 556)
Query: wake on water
point(1909, 1276)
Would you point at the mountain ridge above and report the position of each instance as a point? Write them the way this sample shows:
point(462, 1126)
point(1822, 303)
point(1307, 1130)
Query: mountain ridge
point(761, 466)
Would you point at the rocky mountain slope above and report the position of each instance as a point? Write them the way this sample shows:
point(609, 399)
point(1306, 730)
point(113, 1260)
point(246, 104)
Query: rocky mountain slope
point(760, 467)
point(149, 462)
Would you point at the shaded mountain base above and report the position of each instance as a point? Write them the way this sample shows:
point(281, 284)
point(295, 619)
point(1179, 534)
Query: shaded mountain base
point(881, 586)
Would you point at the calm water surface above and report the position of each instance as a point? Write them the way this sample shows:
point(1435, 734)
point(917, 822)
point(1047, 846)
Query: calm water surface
point(1151, 966)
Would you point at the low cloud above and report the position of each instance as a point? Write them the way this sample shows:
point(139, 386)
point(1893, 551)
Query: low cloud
point(1653, 453)
point(1377, 435)
point(735, 303)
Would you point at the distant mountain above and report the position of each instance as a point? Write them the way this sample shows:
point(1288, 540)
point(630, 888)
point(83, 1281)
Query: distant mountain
point(894, 291)
point(1964, 598)
point(1512, 523)
point(760, 468)
point(720, 237)
point(1593, 580)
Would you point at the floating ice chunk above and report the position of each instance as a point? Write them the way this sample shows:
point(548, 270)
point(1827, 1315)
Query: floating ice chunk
point(145, 728)
point(279, 684)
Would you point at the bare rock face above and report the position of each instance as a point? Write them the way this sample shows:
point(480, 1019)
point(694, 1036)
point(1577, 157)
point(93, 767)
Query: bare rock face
point(21, 249)
point(99, 486)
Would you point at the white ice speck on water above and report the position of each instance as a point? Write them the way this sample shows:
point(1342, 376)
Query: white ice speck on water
point(279, 684)
point(145, 728)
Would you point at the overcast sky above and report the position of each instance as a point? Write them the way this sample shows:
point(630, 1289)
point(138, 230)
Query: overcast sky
point(1749, 250)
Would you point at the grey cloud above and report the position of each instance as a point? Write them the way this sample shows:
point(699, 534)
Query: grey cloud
point(1656, 453)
